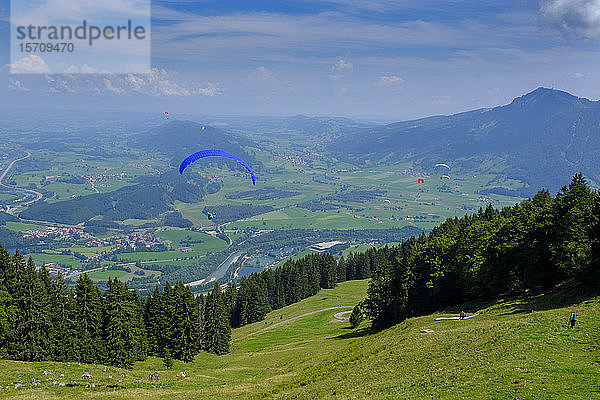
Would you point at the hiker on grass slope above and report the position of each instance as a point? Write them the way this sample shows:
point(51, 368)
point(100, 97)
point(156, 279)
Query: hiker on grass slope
point(573, 319)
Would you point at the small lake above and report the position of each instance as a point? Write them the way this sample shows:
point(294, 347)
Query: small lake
point(248, 271)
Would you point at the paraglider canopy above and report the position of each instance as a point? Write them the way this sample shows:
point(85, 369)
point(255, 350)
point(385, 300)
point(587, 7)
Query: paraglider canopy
point(444, 177)
point(420, 180)
point(214, 153)
point(441, 165)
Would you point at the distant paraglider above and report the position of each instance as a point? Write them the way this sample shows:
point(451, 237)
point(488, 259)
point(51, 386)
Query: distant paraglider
point(441, 165)
point(210, 215)
point(214, 153)
point(420, 180)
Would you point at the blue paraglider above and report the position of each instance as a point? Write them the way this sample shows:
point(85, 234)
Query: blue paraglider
point(214, 153)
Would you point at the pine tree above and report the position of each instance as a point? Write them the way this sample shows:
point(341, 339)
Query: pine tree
point(168, 311)
point(201, 301)
point(186, 327)
point(573, 217)
point(88, 315)
point(138, 327)
point(7, 316)
point(121, 328)
point(350, 267)
point(31, 339)
point(7, 306)
point(357, 316)
point(328, 271)
point(341, 270)
point(594, 234)
point(258, 300)
point(155, 323)
point(63, 323)
point(167, 359)
point(217, 331)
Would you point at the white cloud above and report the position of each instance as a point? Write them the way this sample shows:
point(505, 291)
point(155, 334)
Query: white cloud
point(210, 90)
point(111, 88)
point(30, 64)
point(157, 83)
point(17, 85)
point(443, 101)
point(391, 80)
point(262, 74)
point(578, 75)
point(74, 69)
point(341, 69)
point(574, 18)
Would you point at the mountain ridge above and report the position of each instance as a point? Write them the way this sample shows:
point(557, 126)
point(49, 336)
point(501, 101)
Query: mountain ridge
point(542, 137)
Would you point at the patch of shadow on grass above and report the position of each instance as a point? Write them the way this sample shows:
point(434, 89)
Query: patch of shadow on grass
point(470, 307)
point(354, 334)
point(565, 295)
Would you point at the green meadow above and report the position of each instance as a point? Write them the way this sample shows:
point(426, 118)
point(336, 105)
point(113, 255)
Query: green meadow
point(516, 348)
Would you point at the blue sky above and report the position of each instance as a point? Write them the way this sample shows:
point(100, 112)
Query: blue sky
point(393, 60)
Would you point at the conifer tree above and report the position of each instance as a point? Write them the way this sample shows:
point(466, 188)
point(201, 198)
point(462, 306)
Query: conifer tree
point(138, 327)
point(168, 311)
point(7, 306)
point(31, 339)
point(217, 331)
point(63, 323)
point(121, 330)
point(341, 270)
point(573, 217)
point(154, 320)
point(167, 359)
point(7, 316)
point(88, 306)
point(328, 271)
point(357, 316)
point(201, 300)
point(186, 326)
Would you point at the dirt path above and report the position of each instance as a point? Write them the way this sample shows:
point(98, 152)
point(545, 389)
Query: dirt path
point(341, 315)
point(303, 315)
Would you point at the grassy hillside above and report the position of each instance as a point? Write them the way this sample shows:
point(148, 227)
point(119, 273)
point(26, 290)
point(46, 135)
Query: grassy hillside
point(516, 348)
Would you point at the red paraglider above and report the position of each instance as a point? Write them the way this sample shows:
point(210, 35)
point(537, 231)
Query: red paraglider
point(420, 180)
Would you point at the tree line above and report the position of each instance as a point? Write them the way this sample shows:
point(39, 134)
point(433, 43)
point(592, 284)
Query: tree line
point(44, 319)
